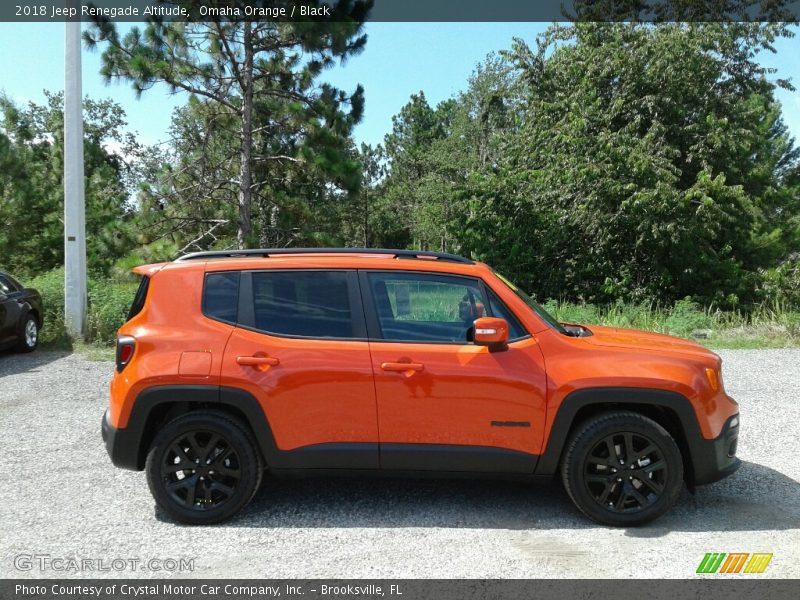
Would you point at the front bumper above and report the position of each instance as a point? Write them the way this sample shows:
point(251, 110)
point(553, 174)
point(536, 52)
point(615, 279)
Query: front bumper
point(122, 445)
point(716, 459)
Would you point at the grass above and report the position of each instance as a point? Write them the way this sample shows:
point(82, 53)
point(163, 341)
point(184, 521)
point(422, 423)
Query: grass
point(762, 326)
point(95, 352)
point(426, 302)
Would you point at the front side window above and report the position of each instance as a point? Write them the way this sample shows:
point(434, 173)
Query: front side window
point(426, 307)
point(312, 304)
point(515, 329)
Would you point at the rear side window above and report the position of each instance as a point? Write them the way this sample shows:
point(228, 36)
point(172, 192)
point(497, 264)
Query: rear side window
point(312, 304)
point(139, 298)
point(221, 296)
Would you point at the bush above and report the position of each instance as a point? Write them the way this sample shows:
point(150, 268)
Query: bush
point(51, 287)
point(685, 317)
point(109, 303)
point(108, 306)
point(781, 285)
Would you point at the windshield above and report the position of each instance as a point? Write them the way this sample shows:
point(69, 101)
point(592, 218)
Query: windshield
point(542, 313)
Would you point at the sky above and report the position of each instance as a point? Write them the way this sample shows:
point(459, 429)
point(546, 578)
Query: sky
point(399, 59)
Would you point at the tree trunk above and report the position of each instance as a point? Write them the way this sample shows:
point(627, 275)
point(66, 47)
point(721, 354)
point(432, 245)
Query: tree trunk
point(246, 141)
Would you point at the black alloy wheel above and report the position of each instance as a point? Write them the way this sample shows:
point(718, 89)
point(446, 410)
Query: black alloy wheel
point(622, 469)
point(200, 470)
point(625, 472)
point(203, 467)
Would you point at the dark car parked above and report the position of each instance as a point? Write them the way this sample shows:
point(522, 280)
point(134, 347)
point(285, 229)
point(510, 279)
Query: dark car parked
point(20, 315)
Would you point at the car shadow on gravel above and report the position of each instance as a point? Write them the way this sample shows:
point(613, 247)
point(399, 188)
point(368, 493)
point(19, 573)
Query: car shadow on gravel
point(754, 498)
point(12, 363)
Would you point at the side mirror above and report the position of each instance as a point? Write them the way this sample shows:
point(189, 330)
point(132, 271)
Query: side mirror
point(492, 332)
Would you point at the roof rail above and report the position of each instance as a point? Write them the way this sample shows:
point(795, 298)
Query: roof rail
point(268, 252)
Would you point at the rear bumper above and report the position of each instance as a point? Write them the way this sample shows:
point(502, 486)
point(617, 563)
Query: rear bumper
point(121, 444)
point(716, 459)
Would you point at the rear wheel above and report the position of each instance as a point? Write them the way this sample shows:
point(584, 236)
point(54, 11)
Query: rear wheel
point(28, 335)
point(622, 469)
point(203, 468)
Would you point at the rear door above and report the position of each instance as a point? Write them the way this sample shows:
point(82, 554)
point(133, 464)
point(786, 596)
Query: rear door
point(443, 402)
point(300, 348)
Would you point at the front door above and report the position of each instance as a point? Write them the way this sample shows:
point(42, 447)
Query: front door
point(301, 350)
point(443, 402)
point(9, 311)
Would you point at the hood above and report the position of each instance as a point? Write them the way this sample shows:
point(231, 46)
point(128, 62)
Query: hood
point(614, 337)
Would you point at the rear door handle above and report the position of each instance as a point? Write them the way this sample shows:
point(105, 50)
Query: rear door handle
point(402, 366)
point(257, 361)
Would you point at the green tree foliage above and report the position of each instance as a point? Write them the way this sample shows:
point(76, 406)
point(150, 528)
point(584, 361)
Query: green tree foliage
point(435, 153)
point(263, 76)
point(32, 189)
point(187, 187)
point(419, 184)
point(367, 217)
point(613, 161)
point(301, 172)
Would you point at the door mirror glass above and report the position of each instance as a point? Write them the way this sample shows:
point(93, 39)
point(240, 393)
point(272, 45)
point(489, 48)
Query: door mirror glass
point(492, 332)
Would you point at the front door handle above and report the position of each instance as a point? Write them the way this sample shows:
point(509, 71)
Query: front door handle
point(402, 367)
point(257, 361)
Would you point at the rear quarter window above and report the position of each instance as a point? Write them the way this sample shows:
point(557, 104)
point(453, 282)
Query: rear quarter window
point(140, 298)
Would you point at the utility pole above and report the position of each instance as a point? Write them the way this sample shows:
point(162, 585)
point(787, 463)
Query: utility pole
point(74, 200)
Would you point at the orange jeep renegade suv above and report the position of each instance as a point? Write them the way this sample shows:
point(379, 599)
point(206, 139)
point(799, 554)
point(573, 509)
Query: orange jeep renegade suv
point(310, 361)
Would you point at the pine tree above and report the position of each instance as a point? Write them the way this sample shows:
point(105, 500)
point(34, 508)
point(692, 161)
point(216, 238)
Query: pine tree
point(242, 67)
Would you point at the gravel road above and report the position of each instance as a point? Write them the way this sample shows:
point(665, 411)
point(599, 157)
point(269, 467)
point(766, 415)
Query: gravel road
point(61, 497)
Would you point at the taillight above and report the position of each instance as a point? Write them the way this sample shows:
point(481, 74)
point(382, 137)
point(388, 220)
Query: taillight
point(126, 346)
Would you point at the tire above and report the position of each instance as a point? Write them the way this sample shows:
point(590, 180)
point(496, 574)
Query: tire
point(214, 492)
point(28, 334)
point(612, 447)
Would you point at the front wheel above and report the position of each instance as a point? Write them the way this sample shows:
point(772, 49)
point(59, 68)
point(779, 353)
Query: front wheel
point(622, 469)
point(203, 468)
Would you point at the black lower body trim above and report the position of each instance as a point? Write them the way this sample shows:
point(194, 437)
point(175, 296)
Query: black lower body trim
point(417, 458)
point(716, 459)
point(354, 456)
point(121, 445)
point(452, 458)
